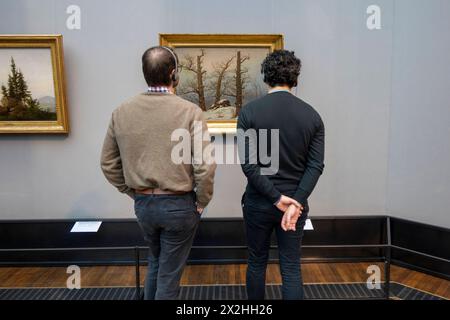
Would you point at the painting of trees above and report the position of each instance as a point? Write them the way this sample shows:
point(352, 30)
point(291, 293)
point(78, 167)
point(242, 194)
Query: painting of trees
point(197, 86)
point(221, 80)
point(221, 72)
point(17, 102)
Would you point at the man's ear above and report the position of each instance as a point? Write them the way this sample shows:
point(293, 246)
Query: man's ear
point(175, 78)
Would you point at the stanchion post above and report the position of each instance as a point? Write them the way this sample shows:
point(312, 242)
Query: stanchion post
point(387, 261)
point(138, 273)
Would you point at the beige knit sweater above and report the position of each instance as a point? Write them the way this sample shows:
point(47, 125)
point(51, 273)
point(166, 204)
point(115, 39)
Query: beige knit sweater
point(137, 150)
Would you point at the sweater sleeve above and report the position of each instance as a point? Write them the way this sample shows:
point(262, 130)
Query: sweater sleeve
point(314, 165)
point(247, 146)
point(111, 162)
point(203, 162)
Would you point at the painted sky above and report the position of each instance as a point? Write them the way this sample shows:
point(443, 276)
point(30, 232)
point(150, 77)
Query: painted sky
point(36, 66)
point(214, 55)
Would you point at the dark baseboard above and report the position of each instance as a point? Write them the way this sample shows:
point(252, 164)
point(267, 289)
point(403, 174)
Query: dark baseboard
point(217, 240)
point(222, 241)
point(430, 240)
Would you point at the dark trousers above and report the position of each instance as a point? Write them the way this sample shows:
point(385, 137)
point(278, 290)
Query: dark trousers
point(261, 218)
point(169, 224)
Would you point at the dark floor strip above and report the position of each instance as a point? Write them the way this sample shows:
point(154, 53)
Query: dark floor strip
point(219, 292)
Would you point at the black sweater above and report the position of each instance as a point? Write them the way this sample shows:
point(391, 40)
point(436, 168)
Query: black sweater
point(301, 146)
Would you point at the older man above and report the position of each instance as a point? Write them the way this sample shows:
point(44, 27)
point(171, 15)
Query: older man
point(137, 159)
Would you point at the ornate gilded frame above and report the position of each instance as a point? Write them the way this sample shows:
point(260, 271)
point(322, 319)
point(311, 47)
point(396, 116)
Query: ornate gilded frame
point(55, 43)
point(271, 41)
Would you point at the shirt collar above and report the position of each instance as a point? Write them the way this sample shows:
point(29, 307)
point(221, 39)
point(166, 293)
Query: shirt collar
point(159, 89)
point(279, 90)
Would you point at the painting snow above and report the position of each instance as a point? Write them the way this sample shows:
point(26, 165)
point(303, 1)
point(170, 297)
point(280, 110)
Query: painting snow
point(221, 80)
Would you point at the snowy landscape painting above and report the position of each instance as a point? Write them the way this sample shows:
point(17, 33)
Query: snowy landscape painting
point(221, 72)
point(221, 80)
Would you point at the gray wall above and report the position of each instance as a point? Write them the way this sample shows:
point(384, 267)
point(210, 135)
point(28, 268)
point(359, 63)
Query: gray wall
point(359, 80)
point(419, 166)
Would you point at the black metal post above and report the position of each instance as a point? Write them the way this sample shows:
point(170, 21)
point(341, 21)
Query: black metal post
point(138, 273)
point(387, 262)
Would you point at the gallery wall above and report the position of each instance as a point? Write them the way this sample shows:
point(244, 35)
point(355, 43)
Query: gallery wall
point(419, 166)
point(354, 77)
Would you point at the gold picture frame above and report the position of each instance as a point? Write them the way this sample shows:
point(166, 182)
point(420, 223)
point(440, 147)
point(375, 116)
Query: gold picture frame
point(54, 118)
point(270, 42)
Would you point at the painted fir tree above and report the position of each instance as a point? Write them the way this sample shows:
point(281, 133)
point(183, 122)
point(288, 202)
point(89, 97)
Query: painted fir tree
point(17, 86)
point(17, 103)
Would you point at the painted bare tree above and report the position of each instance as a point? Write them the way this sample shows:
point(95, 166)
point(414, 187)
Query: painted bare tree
point(240, 81)
point(220, 71)
point(195, 65)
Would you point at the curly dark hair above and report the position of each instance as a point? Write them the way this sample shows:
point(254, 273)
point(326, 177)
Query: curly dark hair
point(281, 67)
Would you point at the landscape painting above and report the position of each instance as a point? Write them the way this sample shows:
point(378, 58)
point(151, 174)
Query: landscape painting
point(32, 98)
point(221, 73)
point(27, 91)
point(221, 80)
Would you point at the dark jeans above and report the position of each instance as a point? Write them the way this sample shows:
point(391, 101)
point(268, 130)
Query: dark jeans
point(261, 218)
point(169, 223)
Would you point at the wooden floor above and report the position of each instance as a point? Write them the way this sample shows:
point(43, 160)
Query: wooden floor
point(217, 274)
